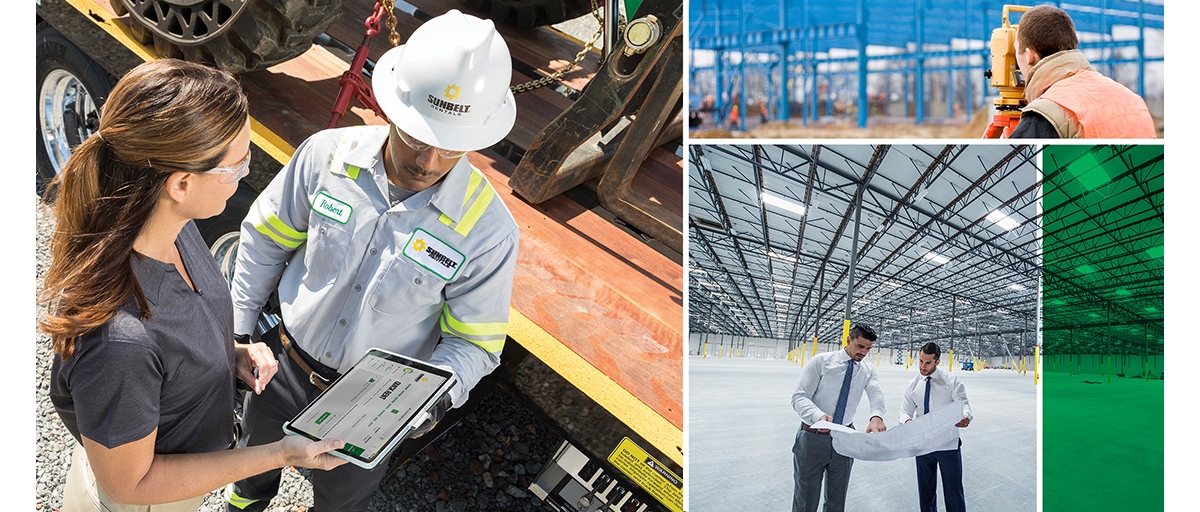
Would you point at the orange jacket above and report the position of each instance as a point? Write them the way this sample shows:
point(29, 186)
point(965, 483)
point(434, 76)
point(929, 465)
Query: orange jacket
point(1090, 105)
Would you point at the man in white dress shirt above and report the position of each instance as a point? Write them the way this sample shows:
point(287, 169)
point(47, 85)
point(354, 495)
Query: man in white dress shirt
point(831, 384)
point(928, 391)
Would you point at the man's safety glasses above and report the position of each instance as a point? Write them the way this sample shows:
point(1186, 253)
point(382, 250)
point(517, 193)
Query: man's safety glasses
point(421, 146)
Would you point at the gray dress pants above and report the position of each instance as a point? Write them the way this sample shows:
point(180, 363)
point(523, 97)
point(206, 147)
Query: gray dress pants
point(815, 461)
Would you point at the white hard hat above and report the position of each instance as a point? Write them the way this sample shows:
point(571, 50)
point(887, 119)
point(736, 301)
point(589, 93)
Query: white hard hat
point(448, 85)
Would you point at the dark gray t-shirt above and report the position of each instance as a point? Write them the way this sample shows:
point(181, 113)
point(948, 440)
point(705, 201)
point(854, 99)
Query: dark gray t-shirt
point(173, 371)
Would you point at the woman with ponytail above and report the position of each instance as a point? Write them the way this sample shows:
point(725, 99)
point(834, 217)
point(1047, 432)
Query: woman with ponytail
point(139, 316)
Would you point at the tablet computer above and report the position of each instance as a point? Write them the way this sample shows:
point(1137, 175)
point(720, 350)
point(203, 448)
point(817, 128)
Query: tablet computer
point(373, 406)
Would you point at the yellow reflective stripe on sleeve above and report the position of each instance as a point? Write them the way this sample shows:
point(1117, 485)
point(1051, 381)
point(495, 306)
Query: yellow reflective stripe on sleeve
point(237, 501)
point(476, 211)
point(479, 195)
point(352, 171)
point(267, 223)
point(290, 244)
point(489, 336)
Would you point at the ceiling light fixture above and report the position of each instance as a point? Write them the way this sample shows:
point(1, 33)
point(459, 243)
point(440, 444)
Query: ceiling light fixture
point(1002, 219)
point(790, 205)
point(936, 258)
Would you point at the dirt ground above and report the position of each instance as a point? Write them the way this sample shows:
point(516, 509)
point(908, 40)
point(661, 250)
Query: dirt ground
point(876, 129)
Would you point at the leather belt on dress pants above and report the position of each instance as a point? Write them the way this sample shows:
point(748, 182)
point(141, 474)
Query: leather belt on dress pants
point(299, 357)
point(815, 431)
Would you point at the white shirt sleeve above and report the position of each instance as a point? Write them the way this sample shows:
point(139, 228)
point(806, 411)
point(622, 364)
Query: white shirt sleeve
point(908, 406)
point(875, 395)
point(959, 392)
point(802, 398)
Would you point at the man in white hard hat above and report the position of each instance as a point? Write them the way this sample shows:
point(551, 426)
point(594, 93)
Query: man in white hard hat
point(384, 236)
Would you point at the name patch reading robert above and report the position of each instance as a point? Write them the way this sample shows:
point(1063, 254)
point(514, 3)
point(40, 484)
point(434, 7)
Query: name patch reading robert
point(326, 205)
point(433, 254)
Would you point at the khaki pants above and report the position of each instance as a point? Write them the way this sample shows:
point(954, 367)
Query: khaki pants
point(83, 494)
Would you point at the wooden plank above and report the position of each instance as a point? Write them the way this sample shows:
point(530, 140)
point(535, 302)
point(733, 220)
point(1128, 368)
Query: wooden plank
point(602, 293)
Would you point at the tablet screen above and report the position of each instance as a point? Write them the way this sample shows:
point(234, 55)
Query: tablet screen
point(368, 406)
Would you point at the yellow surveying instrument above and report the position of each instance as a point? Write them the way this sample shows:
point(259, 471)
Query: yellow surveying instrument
point(1005, 76)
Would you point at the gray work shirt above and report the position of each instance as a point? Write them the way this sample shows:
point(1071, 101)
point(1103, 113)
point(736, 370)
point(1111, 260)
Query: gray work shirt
point(430, 277)
point(173, 371)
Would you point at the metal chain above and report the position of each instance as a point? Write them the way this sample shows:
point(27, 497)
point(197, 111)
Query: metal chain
point(546, 80)
point(393, 37)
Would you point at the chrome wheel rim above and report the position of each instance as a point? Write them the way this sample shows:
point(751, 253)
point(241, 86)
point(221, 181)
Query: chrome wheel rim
point(224, 251)
point(67, 115)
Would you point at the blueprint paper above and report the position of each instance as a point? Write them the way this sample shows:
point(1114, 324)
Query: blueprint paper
point(929, 433)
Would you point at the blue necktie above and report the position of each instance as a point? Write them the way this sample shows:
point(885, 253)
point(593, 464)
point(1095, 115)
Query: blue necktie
point(844, 394)
point(927, 381)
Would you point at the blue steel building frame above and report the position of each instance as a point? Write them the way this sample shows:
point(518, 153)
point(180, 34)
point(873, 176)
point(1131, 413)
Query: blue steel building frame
point(800, 34)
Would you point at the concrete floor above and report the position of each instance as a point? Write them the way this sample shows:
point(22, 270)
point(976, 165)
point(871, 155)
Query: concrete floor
point(1102, 448)
point(741, 427)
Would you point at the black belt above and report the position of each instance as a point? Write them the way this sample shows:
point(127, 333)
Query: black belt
point(322, 376)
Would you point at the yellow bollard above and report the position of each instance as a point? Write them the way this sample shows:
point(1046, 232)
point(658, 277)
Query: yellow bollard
point(951, 359)
point(1035, 365)
point(814, 352)
point(877, 356)
point(845, 332)
point(704, 352)
point(802, 354)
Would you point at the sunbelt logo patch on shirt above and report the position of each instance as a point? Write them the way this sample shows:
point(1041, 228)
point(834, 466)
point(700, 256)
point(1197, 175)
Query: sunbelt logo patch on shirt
point(433, 254)
point(326, 205)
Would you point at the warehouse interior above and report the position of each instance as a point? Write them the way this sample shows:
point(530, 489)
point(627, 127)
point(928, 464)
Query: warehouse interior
point(1103, 327)
point(925, 243)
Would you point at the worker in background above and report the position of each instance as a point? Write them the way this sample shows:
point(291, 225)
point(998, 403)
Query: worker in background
point(928, 391)
point(735, 115)
point(1066, 97)
point(831, 384)
point(384, 236)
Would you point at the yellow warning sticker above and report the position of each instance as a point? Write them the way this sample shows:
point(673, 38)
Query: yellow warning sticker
point(660, 482)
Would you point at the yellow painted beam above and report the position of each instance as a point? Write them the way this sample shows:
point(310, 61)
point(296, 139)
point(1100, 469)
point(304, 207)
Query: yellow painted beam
point(627, 408)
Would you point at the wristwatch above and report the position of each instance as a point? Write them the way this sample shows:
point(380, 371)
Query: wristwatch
point(242, 339)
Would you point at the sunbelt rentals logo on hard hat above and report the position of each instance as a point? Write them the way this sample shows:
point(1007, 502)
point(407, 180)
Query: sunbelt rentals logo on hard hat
point(449, 107)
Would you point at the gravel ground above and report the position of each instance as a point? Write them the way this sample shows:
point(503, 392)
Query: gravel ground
point(485, 463)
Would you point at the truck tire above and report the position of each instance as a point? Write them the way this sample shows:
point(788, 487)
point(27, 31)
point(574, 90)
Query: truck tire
point(70, 89)
point(532, 13)
point(249, 36)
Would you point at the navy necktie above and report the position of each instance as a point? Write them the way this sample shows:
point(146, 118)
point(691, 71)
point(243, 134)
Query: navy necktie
point(844, 394)
point(927, 382)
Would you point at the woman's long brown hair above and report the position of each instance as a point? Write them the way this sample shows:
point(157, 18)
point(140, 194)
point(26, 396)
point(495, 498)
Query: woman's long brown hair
point(162, 117)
